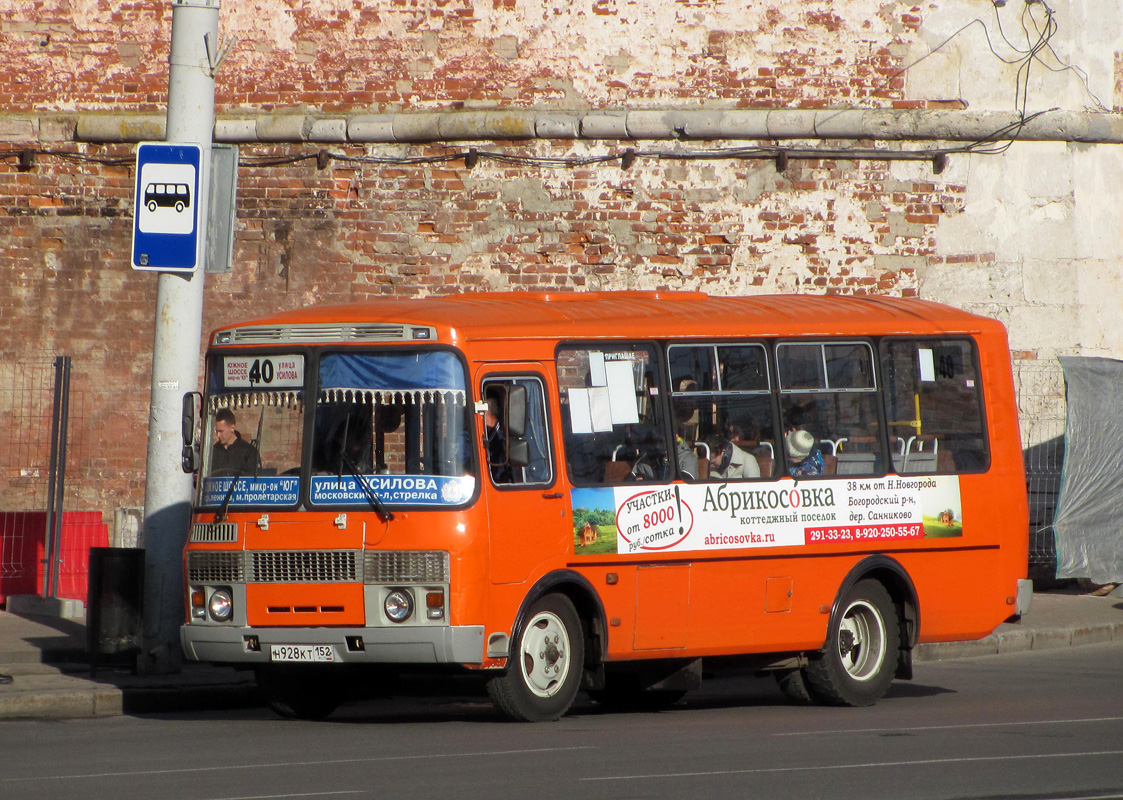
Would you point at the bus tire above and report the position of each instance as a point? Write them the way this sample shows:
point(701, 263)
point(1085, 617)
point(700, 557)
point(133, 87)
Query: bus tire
point(863, 642)
point(544, 671)
point(296, 694)
point(794, 686)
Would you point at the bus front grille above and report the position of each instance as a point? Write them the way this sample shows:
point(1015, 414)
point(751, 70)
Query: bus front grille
point(319, 566)
point(303, 566)
point(405, 566)
point(214, 532)
point(225, 567)
point(295, 334)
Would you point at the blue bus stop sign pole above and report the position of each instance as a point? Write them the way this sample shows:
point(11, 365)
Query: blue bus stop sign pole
point(166, 210)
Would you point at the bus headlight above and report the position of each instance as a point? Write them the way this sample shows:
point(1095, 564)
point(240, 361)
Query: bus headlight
point(221, 605)
point(398, 605)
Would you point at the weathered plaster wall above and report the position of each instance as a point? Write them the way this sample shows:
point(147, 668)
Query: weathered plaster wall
point(1040, 219)
point(1029, 236)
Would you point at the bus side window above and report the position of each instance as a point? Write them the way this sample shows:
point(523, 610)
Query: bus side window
point(516, 443)
point(828, 390)
point(612, 413)
point(721, 390)
point(934, 403)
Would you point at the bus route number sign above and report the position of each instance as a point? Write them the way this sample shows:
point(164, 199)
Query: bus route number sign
point(267, 371)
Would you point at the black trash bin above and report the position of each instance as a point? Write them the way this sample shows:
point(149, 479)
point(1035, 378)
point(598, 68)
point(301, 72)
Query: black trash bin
point(114, 607)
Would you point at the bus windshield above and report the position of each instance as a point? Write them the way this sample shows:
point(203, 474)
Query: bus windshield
point(388, 428)
point(254, 420)
point(396, 421)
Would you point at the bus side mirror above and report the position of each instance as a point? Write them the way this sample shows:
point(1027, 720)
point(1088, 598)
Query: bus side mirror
point(187, 456)
point(516, 411)
point(518, 452)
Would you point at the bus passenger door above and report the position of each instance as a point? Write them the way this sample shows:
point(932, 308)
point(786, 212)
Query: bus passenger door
point(527, 515)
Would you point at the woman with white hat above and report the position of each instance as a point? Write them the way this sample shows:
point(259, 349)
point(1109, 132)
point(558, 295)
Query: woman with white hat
point(804, 457)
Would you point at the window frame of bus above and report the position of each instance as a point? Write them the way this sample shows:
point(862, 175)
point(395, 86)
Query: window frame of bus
point(658, 400)
point(880, 437)
point(548, 452)
point(916, 341)
point(719, 390)
point(316, 389)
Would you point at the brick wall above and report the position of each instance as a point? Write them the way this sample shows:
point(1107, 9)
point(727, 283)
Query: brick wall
point(352, 231)
point(338, 54)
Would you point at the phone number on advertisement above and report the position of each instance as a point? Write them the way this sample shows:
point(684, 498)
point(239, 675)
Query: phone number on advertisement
point(857, 533)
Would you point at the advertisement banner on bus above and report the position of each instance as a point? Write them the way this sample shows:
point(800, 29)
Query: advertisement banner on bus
point(639, 518)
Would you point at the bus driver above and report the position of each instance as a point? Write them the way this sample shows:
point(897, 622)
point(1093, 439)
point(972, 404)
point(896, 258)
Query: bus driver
point(231, 454)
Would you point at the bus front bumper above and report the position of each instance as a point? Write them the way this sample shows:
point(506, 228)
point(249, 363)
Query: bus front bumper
point(404, 645)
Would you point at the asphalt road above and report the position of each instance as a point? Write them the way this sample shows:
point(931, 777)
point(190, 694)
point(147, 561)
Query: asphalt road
point(1041, 724)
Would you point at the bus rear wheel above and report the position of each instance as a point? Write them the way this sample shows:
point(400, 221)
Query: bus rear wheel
point(857, 664)
point(544, 671)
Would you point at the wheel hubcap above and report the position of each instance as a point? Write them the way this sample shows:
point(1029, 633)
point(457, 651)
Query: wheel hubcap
point(861, 641)
point(545, 654)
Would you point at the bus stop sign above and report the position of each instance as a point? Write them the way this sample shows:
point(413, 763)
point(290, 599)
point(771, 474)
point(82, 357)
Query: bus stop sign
point(166, 210)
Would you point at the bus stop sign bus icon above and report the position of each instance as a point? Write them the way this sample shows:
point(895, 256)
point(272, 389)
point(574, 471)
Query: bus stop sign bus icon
point(166, 218)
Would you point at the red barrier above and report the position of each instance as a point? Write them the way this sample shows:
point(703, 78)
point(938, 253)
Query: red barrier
point(22, 552)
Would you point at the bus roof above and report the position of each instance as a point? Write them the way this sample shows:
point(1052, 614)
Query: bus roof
point(640, 314)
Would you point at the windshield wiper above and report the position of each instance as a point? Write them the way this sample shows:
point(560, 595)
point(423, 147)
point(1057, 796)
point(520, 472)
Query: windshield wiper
point(372, 498)
point(220, 515)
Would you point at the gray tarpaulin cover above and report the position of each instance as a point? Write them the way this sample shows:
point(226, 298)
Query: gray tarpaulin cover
point(1089, 519)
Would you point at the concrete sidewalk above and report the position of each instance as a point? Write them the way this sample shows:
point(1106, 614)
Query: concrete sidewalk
point(52, 677)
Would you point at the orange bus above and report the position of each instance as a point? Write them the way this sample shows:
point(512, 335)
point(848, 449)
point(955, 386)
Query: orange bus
point(601, 492)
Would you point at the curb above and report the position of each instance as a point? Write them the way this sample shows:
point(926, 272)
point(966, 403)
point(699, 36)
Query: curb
point(113, 701)
point(1019, 641)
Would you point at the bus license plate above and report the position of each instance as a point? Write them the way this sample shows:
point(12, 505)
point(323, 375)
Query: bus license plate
point(301, 652)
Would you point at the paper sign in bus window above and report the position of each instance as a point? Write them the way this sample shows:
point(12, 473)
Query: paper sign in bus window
point(590, 410)
point(597, 376)
point(927, 364)
point(622, 392)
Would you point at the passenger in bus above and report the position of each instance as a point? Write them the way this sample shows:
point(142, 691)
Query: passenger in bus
point(687, 458)
point(804, 458)
point(729, 461)
point(684, 447)
point(231, 454)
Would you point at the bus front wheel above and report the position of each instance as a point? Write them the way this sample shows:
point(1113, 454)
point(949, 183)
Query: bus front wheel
point(857, 664)
point(544, 671)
